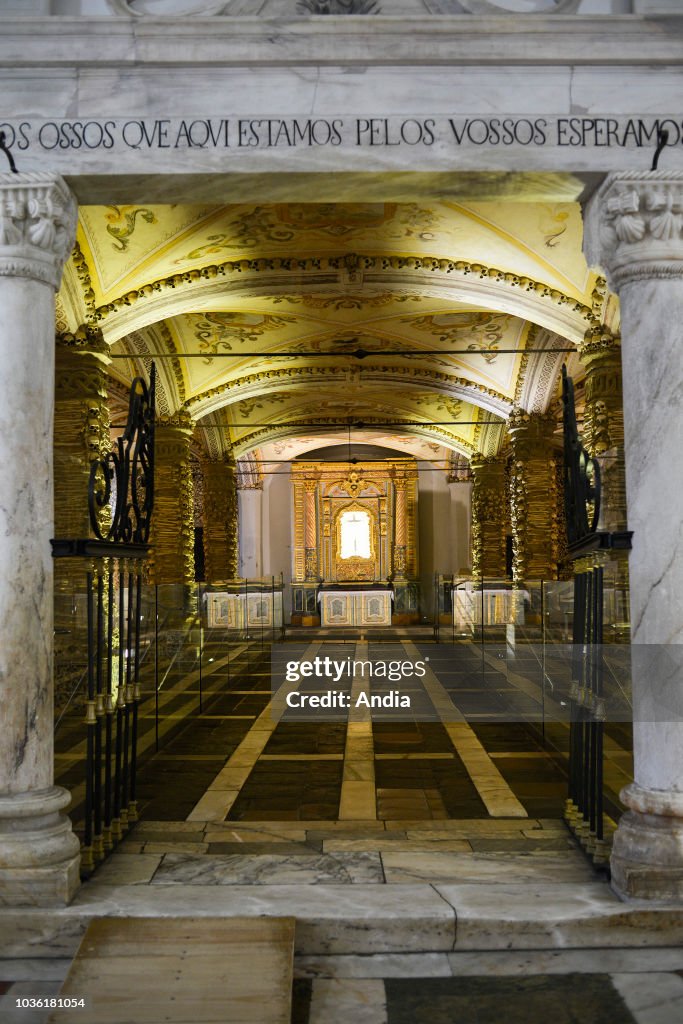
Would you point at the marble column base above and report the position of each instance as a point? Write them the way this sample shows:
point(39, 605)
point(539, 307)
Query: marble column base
point(39, 853)
point(647, 855)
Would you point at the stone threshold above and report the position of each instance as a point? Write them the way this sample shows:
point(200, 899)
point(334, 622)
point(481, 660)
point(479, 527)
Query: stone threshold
point(370, 919)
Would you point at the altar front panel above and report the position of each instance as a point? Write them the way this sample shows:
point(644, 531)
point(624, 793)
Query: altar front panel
point(355, 608)
point(225, 610)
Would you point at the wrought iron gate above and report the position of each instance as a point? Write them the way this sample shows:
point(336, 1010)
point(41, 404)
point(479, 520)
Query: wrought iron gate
point(120, 504)
point(582, 494)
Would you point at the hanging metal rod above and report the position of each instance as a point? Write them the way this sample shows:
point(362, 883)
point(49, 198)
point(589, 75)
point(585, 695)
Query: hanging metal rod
point(354, 425)
point(358, 353)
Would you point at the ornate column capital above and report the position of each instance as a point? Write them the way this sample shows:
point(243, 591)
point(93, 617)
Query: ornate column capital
point(180, 421)
point(38, 217)
point(85, 341)
point(598, 343)
point(633, 227)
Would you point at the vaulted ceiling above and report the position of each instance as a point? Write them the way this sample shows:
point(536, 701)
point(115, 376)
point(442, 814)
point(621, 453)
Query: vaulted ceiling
point(284, 327)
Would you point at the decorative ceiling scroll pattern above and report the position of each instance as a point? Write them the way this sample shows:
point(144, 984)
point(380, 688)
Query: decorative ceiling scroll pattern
point(216, 331)
point(299, 224)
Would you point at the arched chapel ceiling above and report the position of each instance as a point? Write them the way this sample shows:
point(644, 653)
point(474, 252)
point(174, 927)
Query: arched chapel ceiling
point(258, 316)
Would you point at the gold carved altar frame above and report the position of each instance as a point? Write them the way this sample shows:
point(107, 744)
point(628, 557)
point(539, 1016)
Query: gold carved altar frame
point(322, 491)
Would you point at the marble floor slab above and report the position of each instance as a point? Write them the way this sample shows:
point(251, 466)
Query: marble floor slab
point(385, 844)
point(652, 998)
point(491, 963)
point(522, 916)
point(560, 999)
point(379, 965)
point(335, 1001)
point(121, 869)
point(340, 868)
point(331, 919)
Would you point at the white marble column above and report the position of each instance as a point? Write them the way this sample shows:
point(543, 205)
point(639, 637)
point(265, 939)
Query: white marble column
point(634, 231)
point(39, 854)
point(250, 526)
point(461, 513)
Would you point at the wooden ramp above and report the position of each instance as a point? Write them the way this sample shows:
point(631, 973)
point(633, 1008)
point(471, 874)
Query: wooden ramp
point(142, 970)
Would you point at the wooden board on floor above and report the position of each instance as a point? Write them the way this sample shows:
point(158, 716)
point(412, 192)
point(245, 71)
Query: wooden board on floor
point(148, 970)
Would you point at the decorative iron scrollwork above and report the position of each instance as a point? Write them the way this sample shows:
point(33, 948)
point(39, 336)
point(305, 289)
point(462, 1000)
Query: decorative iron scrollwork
point(123, 480)
point(581, 475)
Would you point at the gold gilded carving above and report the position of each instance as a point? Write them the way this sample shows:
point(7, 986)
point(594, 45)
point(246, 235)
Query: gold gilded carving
point(354, 483)
point(349, 569)
point(310, 538)
point(299, 567)
point(365, 489)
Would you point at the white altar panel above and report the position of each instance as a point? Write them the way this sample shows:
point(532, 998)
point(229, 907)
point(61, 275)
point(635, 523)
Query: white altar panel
point(355, 607)
point(241, 611)
point(472, 606)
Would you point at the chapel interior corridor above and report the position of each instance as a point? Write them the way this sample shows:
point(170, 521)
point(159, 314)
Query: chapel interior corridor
point(375, 433)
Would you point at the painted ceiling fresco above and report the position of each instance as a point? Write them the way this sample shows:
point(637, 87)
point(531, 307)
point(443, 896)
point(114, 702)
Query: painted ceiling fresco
point(276, 325)
point(129, 246)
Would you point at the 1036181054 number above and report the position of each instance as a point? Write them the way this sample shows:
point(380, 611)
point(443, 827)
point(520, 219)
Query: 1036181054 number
point(48, 1002)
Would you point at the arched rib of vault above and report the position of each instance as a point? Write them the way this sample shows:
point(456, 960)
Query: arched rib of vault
point(537, 383)
point(305, 377)
point(280, 452)
point(214, 436)
point(280, 431)
point(441, 279)
point(141, 347)
point(401, 407)
point(73, 290)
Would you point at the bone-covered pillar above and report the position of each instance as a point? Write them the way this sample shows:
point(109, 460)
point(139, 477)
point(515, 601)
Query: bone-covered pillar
point(39, 854)
point(533, 497)
point(634, 231)
point(172, 537)
point(603, 422)
point(488, 516)
point(220, 519)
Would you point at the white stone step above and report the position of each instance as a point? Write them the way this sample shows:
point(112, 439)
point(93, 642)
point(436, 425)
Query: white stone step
point(364, 919)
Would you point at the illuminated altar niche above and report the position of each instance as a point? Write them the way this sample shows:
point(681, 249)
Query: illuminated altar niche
point(323, 494)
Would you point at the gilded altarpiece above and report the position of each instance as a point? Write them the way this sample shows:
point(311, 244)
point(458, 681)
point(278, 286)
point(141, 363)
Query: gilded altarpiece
point(355, 523)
